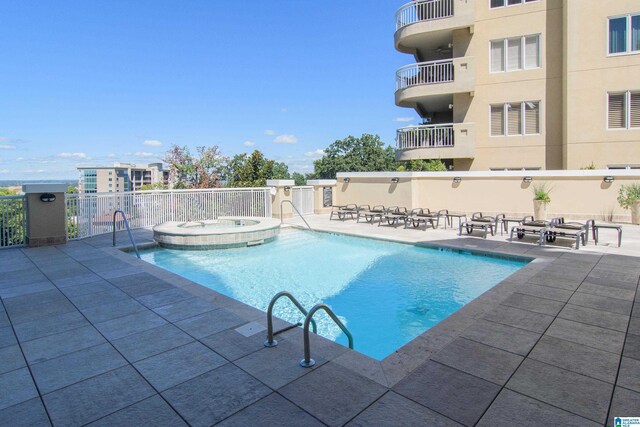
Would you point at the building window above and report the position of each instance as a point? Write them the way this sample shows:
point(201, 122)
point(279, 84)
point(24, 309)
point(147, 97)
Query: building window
point(515, 53)
point(503, 3)
point(624, 34)
point(623, 110)
point(515, 118)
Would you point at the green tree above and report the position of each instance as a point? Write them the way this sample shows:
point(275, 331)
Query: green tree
point(365, 154)
point(204, 170)
point(154, 186)
point(72, 189)
point(433, 165)
point(7, 192)
point(298, 178)
point(254, 170)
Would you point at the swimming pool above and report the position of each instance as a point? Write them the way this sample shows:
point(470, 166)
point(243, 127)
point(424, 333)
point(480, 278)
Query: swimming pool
point(386, 293)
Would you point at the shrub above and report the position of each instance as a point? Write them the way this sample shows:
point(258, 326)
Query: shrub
point(542, 192)
point(628, 195)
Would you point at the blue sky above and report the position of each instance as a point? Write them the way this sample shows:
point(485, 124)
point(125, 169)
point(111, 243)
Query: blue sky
point(93, 82)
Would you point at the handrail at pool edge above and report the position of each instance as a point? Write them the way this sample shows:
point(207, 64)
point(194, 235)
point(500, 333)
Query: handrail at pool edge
point(308, 362)
point(126, 224)
point(297, 211)
point(270, 342)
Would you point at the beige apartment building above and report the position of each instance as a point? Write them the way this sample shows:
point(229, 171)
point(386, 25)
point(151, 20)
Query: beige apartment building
point(120, 177)
point(521, 84)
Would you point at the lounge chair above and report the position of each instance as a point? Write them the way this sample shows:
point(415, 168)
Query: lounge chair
point(371, 214)
point(532, 227)
point(343, 211)
point(423, 216)
point(394, 215)
point(570, 230)
point(479, 221)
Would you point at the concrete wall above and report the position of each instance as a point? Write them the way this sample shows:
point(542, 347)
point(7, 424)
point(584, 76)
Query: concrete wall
point(46, 221)
point(574, 194)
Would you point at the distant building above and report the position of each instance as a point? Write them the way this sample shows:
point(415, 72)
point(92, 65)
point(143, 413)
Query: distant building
point(120, 177)
point(521, 84)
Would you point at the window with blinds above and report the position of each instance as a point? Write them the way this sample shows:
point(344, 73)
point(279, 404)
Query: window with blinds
point(634, 109)
point(515, 118)
point(615, 111)
point(497, 56)
point(623, 110)
point(515, 53)
point(502, 3)
point(497, 120)
point(532, 51)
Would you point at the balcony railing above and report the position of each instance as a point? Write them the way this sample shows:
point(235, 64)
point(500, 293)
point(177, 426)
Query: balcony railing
point(425, 136)
point(425, 73)
point(13, 221)
point(418, 11)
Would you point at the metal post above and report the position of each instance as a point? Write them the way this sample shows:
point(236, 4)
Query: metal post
point(308, 362)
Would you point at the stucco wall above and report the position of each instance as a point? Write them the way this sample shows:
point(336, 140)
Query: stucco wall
point(574, 194)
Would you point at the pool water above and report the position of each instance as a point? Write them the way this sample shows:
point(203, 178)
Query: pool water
point(385, 293)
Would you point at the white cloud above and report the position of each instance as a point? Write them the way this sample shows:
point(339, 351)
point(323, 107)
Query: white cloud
point(4, 170)
point(143, 154)
point(403, 119)
point(152, 143)
point(7, 147)
point(316, 153)
point(4, 139)
point(74, 156)
point(111, 156)
point(248, 143)
point(19, 159)
point(269, 132)
point(285, 139)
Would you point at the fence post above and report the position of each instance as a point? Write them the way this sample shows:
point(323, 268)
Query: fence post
point(281, 191)
point(46, 214)
point(324, 195)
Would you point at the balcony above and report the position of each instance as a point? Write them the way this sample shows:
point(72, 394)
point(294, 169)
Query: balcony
point(440, 141)
point(427, 24)
point(429, 81)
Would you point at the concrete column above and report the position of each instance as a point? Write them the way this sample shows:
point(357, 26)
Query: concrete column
point(281, 190)
point(46, 214)
point(320, 205)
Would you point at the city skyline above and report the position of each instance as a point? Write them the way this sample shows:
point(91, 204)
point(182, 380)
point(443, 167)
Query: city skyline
point(102, 82)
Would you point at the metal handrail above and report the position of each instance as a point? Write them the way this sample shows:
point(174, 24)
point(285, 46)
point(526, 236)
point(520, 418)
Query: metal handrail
point(424, 73)
point(126, 224)
point(426, 136)
point(308, 362)
point(270, 342)
point(423, 10)
point(297, 211)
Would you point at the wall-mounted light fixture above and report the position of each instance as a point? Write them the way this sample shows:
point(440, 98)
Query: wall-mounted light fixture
point(346, 179)
point(457, 179)
point(395, 180)
point(527, 179)
point(608, 179)
point(47, 197)
point(287, 188)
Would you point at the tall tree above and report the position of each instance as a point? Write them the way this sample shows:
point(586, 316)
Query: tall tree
point(203, 170)
point(254, 170)
point(365, 154)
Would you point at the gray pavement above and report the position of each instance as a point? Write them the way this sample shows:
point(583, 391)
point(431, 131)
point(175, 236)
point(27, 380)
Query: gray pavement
point(92, 335)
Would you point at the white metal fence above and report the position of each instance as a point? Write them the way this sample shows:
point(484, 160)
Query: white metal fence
point(302, 199)
point(92, 214)
point(426, 136)
point(425, 73)
point(417, 11)
point(13, 221)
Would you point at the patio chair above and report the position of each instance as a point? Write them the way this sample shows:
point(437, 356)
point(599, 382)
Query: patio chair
point(394, 215)
point(479, 221)
point(343, 211)
point(423, 216)
point(503, 221)
point(371, 214)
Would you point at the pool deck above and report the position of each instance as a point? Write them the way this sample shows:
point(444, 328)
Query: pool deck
point(92, 335)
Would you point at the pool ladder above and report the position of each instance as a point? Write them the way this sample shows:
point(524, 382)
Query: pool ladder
point(297, 211)
point(126, 224)
point(307, 362)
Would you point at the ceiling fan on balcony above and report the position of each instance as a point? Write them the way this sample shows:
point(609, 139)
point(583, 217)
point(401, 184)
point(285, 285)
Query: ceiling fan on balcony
point(447, 48)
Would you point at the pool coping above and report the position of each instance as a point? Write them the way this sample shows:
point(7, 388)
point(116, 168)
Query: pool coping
point(398, 365)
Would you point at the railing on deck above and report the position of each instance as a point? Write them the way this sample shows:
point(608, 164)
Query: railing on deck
point(91, 214)
point(425, 136)
point(302, 198)
point(418, 11)
point(425, 73)
point(13, 221)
